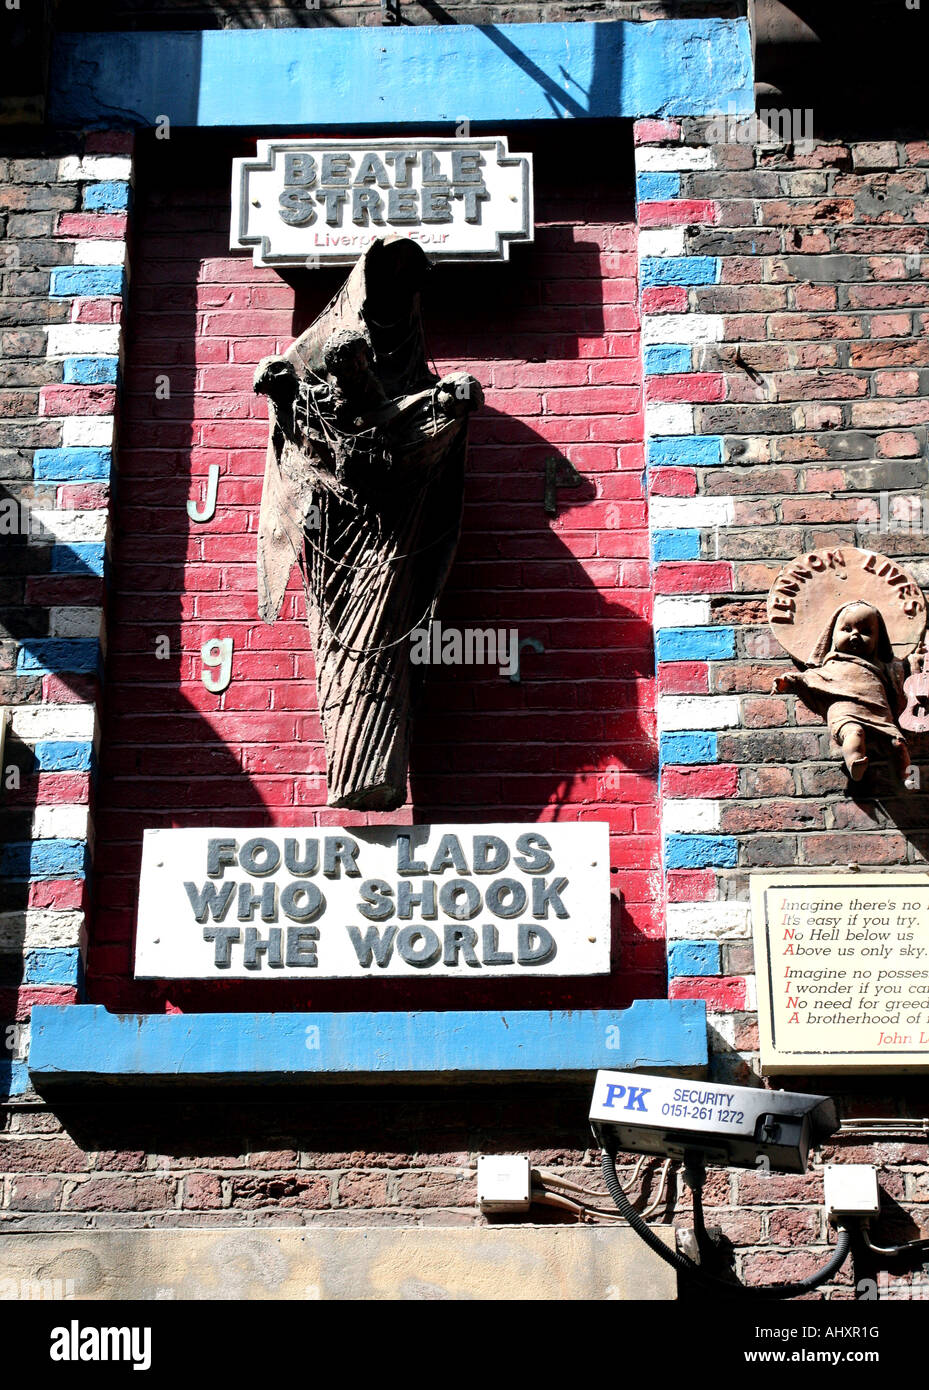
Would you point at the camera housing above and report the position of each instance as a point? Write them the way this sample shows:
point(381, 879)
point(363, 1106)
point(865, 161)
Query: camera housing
point(728, 1126)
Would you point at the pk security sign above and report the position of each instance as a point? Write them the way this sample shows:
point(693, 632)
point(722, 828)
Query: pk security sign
point(734, 1126)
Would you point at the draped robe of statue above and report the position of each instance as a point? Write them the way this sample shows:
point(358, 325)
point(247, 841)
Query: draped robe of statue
point(363, 490)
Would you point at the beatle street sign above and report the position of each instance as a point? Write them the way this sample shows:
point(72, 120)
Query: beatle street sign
point(466, 901)
point(842, 961)
point(314, 202)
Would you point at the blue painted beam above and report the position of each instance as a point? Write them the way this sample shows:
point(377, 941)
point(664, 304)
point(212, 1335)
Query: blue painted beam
point(419, 75)
point(83, 1042)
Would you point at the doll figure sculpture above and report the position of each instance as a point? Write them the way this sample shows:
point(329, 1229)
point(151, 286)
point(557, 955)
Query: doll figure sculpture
point(854, 680)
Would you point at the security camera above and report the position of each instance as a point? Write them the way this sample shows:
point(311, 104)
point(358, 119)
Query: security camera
point(731, 1126)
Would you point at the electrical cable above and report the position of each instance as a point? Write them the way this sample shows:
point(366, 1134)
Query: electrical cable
point(558, 1181)
point(552, 1199)
point(656, 1202)
point(692, 1270)
point(539, 1192)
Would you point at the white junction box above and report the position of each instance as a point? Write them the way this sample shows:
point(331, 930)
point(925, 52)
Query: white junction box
point(850, 1189)
point(503, 1182)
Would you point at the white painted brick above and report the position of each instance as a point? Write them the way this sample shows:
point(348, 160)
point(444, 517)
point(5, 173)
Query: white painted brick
point(72, 526)
point(98, 252)
point(31, 723)
point(60, 823)
point(670, 611)
point(95, 166)
point(682, 157)
point(93, 431)
point(40, 927)
point(689, 815)
point(751, 993)
point(668, 417)
point(688, 512)
point(727, 921)
point(83, 339)
point(723, 1025)
point(682, 328)
point(661, 241)
point(75, 622)
point(697, 712)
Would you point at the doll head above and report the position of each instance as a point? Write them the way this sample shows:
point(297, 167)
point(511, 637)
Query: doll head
point(855, 629)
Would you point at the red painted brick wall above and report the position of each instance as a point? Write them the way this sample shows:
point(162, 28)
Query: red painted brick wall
point(553, 338)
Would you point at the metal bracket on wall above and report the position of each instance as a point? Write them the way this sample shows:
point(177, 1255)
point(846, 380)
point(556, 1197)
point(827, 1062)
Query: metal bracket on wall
point(559, 472)
point(536, 646)
point(390, 11)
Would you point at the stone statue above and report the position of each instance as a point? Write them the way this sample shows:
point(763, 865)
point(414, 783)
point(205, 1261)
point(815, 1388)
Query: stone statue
point(363, 490)
point(850, 654)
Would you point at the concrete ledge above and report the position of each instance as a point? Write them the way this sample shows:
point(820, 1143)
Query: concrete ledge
point(519, 1262)
point(421, 75)
point(85, 1043)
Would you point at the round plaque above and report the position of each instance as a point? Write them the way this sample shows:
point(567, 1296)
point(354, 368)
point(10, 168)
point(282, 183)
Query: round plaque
point(809, 591)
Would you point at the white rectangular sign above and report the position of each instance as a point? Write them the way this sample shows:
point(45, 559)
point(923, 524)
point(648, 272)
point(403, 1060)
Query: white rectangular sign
point(842, 961)
point(315, 202)
point(466, 901)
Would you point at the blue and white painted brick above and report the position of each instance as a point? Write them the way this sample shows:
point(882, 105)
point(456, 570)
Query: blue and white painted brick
point(78, 559)
point(665, 359)
point(677, 713)
point(697, 451)
point(42, 929)
point(72, 465)
point(90, 371)
point(694, 958)
point(671, 610)
point(720, 921)
point(691, 815)
point(678, 544)
point(63, 755)
point(52, 966)
point(684, 632)
point(89, 282)
point(687, 748)
point(109, 195)
point(657, 187)
point(63, 737)
point(656, 272)
point(695, 643)
point(701, 851)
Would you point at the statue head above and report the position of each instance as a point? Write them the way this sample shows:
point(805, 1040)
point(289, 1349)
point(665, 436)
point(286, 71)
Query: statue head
point(276, 377)
point(347, 359)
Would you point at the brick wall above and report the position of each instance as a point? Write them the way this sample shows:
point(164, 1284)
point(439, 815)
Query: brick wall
point(289, 14)
point(63, 207)
point(784, 305)
point(783, 302)
point(553, 337)
point(357, 1156)
point(556, 345)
